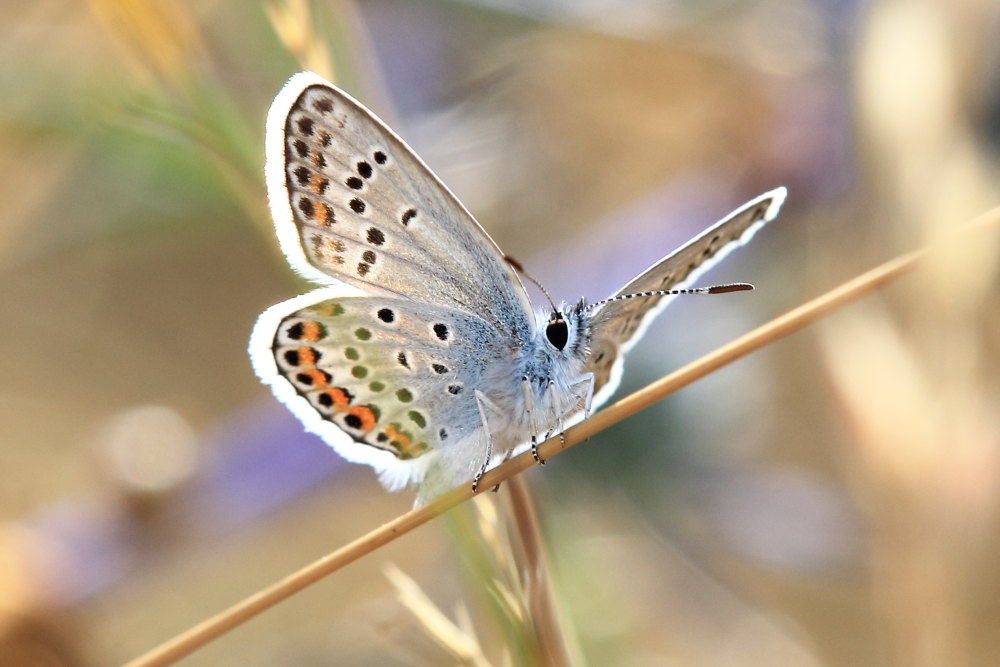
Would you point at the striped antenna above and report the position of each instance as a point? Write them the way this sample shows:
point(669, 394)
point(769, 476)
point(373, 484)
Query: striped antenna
point(520, 269)
point(714, 289)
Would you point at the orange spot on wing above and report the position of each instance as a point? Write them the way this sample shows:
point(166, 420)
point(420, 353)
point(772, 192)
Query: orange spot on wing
point(322, 213)
point(396, 436)
point(319, 378)
point(312, 331)
point(326, 310)
point(339, 397)
point(318, 183)
point(307, 356)
point(402, 441)
point(366, 416)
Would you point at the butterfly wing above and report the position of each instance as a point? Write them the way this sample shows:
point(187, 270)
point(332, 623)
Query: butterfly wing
point(617, 325)
point(383, 380)
point(383, 362)
point(353, 204)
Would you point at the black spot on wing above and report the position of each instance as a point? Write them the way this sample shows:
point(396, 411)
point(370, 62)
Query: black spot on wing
point(306, 126)
point(323, 105)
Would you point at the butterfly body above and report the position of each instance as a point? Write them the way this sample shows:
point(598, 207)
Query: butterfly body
point(547, 380)
point(421, 355)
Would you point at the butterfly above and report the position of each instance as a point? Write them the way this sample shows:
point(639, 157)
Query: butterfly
point(421, 354)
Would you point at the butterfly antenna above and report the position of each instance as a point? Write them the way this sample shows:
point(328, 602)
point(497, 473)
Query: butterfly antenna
point(520, 269)
point(713, 289)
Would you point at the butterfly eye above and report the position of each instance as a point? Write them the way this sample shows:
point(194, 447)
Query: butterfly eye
point(557, 333)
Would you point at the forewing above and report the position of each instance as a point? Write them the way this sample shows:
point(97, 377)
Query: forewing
point(384, 381)
point(617, 325)
point(353, 204)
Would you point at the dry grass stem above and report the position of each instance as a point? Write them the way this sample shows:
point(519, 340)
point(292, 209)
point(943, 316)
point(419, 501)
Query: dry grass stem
point(548, 633)
point(458, 640)
point(292, 21)
point(798, 318)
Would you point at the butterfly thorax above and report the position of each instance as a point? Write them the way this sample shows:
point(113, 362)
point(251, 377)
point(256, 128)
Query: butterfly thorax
point(547, 387)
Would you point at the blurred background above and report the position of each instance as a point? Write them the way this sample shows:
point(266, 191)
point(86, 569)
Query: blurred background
point(830, 500)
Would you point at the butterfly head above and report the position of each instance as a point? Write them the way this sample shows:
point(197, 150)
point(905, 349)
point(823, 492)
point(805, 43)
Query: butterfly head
point(567, 329)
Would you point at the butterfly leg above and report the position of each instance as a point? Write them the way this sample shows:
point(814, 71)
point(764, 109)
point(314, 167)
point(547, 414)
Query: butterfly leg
point(483, 403)
point(557, 419)
point(585, 383)
point(529, 408)
point(588, 393)
point(588, 397)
